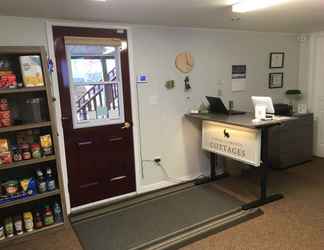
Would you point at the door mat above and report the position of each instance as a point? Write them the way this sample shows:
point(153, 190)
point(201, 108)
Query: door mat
point(167, 222)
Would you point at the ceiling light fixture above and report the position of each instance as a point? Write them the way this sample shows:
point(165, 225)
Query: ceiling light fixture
point(250, 5)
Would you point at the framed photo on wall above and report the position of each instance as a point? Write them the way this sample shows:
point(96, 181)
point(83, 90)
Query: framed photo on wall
point(276, 80)
point(277, 60)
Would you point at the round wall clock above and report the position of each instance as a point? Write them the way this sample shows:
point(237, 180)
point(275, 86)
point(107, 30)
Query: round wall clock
point(184, 62)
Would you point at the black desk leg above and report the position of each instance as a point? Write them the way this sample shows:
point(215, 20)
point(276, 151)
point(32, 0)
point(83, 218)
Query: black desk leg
point(213, 161)
point(264, 198)
point(213, 176)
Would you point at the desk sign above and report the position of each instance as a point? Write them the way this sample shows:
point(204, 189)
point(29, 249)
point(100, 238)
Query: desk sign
point(238, 143)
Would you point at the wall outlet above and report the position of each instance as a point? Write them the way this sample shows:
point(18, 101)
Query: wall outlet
point(219, 92)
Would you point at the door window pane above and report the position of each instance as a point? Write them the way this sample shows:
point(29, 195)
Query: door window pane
point(95, 85)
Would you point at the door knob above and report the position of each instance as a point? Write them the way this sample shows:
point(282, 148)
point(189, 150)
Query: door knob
point(127, 125)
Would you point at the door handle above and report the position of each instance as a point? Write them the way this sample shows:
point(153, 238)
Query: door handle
point(118, 178)
point(65, 118)
point(116, 139)
point(80, 144)
point(89, 185)
point(126, 125)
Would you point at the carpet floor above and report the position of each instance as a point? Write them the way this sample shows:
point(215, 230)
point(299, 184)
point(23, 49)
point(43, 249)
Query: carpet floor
point(294, 223)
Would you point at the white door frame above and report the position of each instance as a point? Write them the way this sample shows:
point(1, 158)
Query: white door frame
point(313, 85)
point(56, 94)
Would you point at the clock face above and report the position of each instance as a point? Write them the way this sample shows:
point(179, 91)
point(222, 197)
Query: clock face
point(184, 62)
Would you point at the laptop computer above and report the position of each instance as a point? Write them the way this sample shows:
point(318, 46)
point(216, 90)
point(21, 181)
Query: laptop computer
point(217, 106)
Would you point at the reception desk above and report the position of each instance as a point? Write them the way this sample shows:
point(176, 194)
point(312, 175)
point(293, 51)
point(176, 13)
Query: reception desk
point(240, 138)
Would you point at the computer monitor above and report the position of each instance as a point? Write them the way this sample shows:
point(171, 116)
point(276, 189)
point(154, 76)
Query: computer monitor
point(264, 101)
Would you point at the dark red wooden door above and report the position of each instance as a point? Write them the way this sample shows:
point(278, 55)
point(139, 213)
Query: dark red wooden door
point(100, 158)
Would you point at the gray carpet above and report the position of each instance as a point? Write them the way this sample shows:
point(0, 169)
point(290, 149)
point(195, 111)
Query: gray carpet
point(145, 222)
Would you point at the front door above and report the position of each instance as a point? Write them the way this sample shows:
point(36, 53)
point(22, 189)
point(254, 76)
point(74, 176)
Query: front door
point(93, 73)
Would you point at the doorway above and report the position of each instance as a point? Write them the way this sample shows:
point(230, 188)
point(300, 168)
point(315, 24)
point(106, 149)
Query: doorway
point(94, 85)
point(318, 93)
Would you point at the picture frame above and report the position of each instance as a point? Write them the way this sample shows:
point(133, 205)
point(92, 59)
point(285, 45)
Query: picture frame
point(277, 60)
point(276, 80)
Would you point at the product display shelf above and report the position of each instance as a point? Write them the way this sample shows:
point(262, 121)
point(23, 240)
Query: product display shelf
point(17, 168)
point(25, 127)
point(35, 231)
point(21, 90)
point(27, 162)
point(29, 199)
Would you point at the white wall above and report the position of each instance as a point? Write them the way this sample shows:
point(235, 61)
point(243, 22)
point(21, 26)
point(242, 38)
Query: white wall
point(164, 131)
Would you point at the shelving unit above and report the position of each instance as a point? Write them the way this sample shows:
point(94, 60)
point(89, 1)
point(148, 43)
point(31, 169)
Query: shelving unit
point(19, 168)
point(22, 90)
point(26, 234)
point(27, 162)
point(29, 199)
point(25, 127)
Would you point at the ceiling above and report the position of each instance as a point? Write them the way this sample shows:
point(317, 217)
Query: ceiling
point(291, 16)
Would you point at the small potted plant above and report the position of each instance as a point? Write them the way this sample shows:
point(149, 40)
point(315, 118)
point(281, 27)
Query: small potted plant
point(293, 95)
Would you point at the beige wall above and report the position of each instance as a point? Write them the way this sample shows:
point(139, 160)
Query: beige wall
point(163, 130)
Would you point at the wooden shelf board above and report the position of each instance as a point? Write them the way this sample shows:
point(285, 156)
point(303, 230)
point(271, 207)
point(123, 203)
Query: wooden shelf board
point(28, 162)
point(25, 127)
point(22, 90)
point(29, 199)
point(36, 231)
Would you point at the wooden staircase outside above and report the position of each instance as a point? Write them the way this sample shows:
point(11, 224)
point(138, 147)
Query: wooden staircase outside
point(104, 94)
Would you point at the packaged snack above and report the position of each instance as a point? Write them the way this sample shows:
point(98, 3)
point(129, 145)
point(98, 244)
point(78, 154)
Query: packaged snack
point(38, 220)
point(41, 182)
point(28, 221)
point(4, 145)
point(46, 141)
point(2, 235)
point(5, 157)
point(36, 151)
point(4, 104)
point(32, 186)
point(50, 181)
point(9, 227)
point(31, 70)
point(48, 216)
point(16, 153)
point(25, 150)
point(18, 224)
point(5, 118)
point(46, 144)
point(58, 216)
point(11, 187)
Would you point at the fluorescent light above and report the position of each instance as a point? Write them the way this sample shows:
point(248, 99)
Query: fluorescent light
point(250, 5)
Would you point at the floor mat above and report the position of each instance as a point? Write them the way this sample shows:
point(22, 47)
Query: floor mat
point(171, 219)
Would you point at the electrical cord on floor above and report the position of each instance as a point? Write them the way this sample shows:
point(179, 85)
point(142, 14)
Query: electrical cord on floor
point(171, 179)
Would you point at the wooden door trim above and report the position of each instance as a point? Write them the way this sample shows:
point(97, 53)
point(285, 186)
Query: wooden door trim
point(135, 111)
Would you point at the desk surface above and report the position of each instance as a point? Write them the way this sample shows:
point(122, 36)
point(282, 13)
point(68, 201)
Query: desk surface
point(245, 120)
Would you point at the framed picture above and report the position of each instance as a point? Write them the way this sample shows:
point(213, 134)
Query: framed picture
point(277, 60)
point(276, 80)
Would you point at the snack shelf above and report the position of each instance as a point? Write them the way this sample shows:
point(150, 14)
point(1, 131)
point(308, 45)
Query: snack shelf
point(36, 231)
point(21, 90)
point(25, 127)
point(27, 162)
point(29, 199)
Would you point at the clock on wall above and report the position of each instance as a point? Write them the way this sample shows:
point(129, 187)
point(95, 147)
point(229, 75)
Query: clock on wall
point(184, 62)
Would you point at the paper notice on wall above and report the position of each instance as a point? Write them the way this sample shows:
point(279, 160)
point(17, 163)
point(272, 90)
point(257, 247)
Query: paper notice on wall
point(238, 78)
